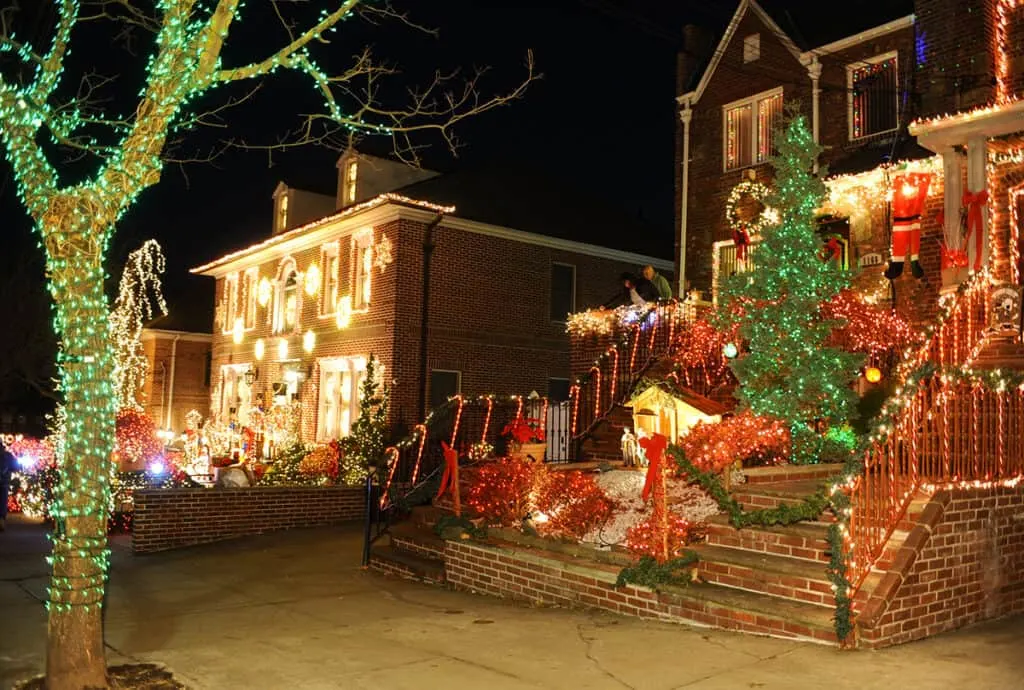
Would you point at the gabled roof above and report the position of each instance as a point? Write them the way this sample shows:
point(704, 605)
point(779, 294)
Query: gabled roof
point(730, 31)
point(705, 406)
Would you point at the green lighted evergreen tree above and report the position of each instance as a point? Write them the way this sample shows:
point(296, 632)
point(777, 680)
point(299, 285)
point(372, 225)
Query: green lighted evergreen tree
point(367, 442)
point(787, 371)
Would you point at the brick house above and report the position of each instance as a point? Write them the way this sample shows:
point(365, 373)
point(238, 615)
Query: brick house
point(499, 256)
point(178, 379)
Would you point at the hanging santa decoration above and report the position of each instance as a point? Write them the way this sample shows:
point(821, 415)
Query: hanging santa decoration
point(909, 193)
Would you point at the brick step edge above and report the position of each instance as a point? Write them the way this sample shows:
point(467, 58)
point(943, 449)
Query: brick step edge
point(423, 547)
point(752, 539)
point(789, 473)
point(776, 584)
point(389, 561)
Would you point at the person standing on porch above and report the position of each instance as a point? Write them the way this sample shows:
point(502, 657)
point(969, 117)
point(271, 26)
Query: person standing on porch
point(6, 468)
point(659, 282)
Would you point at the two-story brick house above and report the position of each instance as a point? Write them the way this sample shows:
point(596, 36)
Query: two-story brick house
point(299, 313)
point(872, 98)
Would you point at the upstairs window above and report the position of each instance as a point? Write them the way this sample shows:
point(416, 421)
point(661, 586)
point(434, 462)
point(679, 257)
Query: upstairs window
point(752, 47)
point(874, 96)
point(228, 302)
point(287, 298)
point(362, 269)
point(749, 127)
point(563, 291)
point(330, 265)
point(249, 296)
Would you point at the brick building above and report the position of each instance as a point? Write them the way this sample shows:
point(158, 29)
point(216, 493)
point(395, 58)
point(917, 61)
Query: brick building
point(178, 379)
point(869, 97)
point(498, 255)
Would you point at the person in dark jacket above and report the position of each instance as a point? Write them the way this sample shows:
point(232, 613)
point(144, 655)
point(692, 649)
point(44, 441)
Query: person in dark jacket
point(640, 290)
point(7, 463)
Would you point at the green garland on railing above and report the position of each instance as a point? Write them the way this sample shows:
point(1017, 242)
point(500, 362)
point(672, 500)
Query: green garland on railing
point(808, 509)
point(648, 572)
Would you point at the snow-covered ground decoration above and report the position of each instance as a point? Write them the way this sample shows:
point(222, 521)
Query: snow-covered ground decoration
point(624, 487)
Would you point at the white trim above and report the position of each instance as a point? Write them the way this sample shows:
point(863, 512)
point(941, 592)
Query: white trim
point(859, 64)
point(723, 44)
point(513, 235)
point(188, 336)
point(686, 116)
point(753, 102)
point(958, 128)
point(863, 37)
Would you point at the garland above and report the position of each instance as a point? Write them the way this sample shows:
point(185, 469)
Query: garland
point(649, 573)
point(758, 192)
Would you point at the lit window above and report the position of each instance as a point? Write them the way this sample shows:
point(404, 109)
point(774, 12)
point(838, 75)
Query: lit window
point(752, 47)
point(874, 96)
point(351, 175)
point(330, 264)
point(228, 302)
point(249, 297)
point(235, 394)
point(282, 212)
point(362, 274)
point(287, 298)
point(749, 129)
point(341, 381)
point(291, 301)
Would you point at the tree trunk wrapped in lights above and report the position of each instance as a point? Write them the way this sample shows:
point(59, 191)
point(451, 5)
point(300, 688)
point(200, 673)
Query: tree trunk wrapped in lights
point(75, 223)
point(787, 371)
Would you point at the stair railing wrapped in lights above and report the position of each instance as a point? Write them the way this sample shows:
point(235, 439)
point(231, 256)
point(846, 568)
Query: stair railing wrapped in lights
point(649, 335)
point(951, 428)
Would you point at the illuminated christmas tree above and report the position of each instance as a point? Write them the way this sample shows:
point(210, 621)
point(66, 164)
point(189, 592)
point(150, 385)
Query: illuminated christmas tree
point(787, 372)
point(75, 216)
point(365, 445)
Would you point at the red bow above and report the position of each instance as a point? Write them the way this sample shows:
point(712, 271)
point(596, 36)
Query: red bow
point(974, 202)
point(832, 250)
point(741, 238)
point(654, 448)
point(451, 464)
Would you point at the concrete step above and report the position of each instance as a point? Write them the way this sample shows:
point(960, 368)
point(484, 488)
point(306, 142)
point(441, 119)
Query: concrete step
point(771, 495)
point(735, 609)
point(789, 473)
point(427, 516)
point(805, 540)
point(779, 576)
point(385, 558)
point(418, 540)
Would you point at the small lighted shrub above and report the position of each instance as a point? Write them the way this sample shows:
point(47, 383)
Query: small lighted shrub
point(645, 538)
point(500, 492)
point(749, 438)
point(136, 439)
point(321, 464)
point(572, 504)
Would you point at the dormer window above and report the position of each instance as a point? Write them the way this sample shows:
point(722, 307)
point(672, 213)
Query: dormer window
point(351, 175)
point(752, 47)
point(282, 212)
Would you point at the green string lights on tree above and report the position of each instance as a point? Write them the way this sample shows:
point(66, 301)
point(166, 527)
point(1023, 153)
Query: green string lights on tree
point(787, 371)
point(75, 222)
point(364, 447)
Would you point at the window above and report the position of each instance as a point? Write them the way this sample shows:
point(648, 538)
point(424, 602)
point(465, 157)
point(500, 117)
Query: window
point(749, 129)
point(228, 301)
point(249, 296)
point(330, 265)
point(341, 382)
point(443, 385)
point(282, 212)
point(563, 291)
point(362, 269)
point(235, 395)
point(558, 390)
point(351, 175)
point(287, 298)
point(751, 47)
point(874, 96)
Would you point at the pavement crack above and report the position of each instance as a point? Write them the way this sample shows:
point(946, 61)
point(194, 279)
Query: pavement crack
point(588, 650)
point(722, 645)
point(758, 660)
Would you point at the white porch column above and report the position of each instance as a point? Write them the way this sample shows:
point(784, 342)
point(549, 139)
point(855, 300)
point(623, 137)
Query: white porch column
point(952, 174)
point(977, 180)
point(686, 115)
point(814, 71)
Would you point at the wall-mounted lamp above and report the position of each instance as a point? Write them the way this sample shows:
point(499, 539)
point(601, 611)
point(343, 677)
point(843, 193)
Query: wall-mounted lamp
point(251, 375)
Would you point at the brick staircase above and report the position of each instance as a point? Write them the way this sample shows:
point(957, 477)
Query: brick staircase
point(411, 550)
point(604, 442)
point(1001, 353)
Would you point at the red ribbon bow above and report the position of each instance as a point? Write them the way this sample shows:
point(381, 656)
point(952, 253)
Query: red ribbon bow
point(832, 250)
point(974, 202)
point(451, 462)
point(741, 238)
point(654, 448)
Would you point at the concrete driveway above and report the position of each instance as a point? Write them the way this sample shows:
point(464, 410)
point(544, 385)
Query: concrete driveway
point(294, 610)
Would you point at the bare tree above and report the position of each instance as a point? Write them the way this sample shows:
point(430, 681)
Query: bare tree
point(76, 221)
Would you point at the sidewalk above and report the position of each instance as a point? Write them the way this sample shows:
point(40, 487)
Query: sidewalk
point(294, 610)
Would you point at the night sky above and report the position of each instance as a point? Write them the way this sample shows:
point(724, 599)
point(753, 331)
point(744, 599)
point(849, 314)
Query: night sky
point(602, 118)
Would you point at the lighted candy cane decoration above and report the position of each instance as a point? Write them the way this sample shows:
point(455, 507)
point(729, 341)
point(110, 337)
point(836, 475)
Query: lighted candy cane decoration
point(574, 395)
point(519, 407)
point(615, 371)
point(458, 419)
point(544, 417)
point(597, 396)
point(636, 346)
point(487, 419)
point(421, 430)
point(393, 452)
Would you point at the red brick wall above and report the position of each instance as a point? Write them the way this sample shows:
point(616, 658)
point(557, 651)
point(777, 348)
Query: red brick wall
point(173, 518)
point(963, 563)
point(190, 389)
point(1001, 181)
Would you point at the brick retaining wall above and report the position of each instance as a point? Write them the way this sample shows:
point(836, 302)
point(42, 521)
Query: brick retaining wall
point(173, 518)
point(962, 563)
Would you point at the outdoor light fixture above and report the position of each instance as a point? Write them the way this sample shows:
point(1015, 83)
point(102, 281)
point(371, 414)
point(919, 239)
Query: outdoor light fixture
point(730, 351)
point(873, 374)
point(250, 376)
point(259, 349)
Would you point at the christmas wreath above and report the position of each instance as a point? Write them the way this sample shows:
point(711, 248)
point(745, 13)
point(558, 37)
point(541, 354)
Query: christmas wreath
point(756, 191)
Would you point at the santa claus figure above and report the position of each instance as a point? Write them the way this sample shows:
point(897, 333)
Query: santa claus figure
point(909, 192)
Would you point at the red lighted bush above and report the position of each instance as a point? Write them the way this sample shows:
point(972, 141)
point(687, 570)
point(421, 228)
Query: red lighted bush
point(500, 491)
point(746, 437)
point(573, 503)
point(645, 538)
